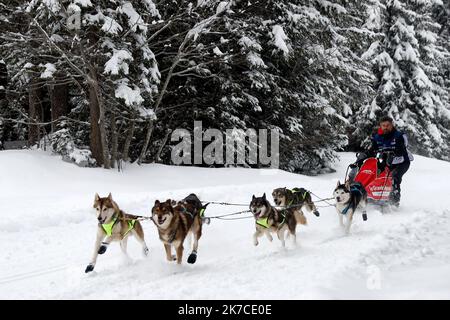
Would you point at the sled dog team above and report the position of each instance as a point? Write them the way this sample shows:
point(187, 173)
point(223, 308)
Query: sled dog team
point(175, 220)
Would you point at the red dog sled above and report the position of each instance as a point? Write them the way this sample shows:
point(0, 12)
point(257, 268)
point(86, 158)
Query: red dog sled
point(376, 178)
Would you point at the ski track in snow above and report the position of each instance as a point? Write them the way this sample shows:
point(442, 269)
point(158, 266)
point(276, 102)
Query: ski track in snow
point(48, 228)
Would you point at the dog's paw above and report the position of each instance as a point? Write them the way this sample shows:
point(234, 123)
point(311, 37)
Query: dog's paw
point(172, 258)
point(102, 249)
point(364, 216)
point(89, 268)
point(192, 258)
point(255, 242)
point(146, 251)
point(316, 213)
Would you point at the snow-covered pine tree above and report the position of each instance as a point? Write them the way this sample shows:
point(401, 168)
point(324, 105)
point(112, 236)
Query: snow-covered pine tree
point(280, 65)
point(298, 75)
point(406, 64)
point(298, 67)
point(185, 55)
point(343, 32)
point(441, 15)
point(103, 47)
point(16, 66)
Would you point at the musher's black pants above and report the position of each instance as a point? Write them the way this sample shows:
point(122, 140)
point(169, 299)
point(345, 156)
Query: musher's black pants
point(397, 172)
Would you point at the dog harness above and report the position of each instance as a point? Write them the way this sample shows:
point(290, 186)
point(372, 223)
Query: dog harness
point(184, 210)
point(353, 189)
point(284, 211)
point(295, 190)
point(263, 222)
point(172, 236)
point(346, 208)
point(108, 227)
point(201, 212)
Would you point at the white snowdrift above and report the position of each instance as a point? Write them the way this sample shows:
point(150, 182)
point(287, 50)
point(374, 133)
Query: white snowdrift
point(47, 231)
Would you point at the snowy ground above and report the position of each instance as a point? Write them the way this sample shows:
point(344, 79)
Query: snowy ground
point(47, 231)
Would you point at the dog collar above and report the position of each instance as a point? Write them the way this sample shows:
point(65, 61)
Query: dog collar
point(263, 222)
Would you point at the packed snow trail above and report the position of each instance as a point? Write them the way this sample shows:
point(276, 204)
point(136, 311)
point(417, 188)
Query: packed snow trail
point(47, 232)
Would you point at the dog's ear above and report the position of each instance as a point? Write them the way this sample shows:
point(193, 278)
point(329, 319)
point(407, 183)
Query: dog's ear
point(157, 203)
point(173, 202)
point(96, 200)
point(264, 196)
point(169, 202)
point(338, 183)
point(253, 197)
point(110, 196)
point(347, 184)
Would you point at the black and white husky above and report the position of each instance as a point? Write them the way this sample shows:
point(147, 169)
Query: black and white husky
point(349, 198)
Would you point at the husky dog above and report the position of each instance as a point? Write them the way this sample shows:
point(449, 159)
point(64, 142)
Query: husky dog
point(270, 220)
point(299, 198)
point(174, 221)
point(349, 198)
point(114, 225)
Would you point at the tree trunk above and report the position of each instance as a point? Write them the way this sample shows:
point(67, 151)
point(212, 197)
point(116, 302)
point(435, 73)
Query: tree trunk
point(35, 112)
point(114, 140)
point(127, 143)
point(3, 81)
point(98, 144)
point(158, 155)
point(151, 124)
point(146, 141)
point(59, 98)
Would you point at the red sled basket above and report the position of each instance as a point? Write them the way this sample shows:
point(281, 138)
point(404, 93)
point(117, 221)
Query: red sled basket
point(378, 184)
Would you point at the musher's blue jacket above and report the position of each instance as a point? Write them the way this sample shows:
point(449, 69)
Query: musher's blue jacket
point(395, 141)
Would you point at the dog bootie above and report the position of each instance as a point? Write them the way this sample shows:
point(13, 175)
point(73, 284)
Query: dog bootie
point(316, 213)
point(103, 248)
point(192, 257)
point(364, 216)
point(89, 268)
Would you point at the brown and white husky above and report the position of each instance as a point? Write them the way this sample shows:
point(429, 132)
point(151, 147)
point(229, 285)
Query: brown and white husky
point(175, 220)
point(114, 225)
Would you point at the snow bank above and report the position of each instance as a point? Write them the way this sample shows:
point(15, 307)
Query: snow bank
point(48, 227)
